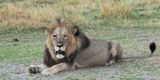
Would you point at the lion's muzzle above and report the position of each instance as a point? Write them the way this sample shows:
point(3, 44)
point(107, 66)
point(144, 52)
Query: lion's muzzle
point(60, 54)
point(59, 45)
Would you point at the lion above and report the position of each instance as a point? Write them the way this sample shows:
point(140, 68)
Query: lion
point(68, 48)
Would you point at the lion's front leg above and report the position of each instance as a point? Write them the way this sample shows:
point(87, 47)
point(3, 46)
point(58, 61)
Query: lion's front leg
point(36, 68)
point(55, 69)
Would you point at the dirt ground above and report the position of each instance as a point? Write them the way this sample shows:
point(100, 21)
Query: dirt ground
point(113, 72)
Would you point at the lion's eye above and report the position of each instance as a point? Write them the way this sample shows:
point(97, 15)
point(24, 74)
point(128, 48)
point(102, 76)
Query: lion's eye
point(65, 36)
point(54, 35)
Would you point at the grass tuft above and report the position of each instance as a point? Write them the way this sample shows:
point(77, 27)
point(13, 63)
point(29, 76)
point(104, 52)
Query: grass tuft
point(116, 9)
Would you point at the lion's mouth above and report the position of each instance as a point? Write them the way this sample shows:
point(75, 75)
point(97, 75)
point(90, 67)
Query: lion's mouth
point(60, 54)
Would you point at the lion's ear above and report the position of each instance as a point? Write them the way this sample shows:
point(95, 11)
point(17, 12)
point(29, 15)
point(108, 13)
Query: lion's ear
point(49, 30)
point(76, 31)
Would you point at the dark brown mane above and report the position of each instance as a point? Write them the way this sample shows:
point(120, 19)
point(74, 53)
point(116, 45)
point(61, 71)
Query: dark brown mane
point(84, 39)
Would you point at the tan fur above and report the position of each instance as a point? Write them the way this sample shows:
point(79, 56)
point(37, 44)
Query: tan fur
point(98, 53)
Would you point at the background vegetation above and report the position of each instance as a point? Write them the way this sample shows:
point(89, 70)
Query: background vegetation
point(34, 14)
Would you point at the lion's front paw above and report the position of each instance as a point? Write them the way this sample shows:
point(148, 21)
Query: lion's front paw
point(33, 69)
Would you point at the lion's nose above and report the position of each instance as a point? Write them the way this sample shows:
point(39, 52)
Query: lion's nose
point(59, 45)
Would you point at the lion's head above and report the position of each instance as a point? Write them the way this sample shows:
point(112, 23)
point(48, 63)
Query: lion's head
point(64, 37)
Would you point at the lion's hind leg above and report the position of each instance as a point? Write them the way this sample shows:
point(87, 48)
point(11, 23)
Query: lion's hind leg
point(36, 68)
point(115, 53)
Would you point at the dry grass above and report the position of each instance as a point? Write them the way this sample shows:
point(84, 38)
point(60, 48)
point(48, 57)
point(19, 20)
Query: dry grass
point(20, 17)
point(116, 9)
point(37, 13)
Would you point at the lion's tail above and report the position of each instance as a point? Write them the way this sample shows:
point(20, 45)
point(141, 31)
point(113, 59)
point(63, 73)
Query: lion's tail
point(152, 47)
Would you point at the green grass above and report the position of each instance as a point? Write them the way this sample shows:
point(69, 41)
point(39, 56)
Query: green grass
point(133, 27)
point(28, 44)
